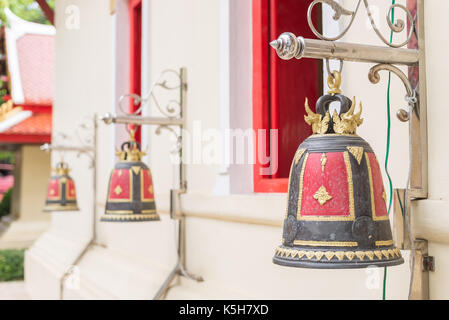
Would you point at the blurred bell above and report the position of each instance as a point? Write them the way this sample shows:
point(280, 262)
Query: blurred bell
point(130, 193)
point(337, 215)
point(61, 194)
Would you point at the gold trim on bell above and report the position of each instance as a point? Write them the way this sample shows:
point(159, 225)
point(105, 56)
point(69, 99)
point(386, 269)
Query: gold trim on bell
point(371, 187)
point(325, 243)
point(350, 217)
point(338, 255)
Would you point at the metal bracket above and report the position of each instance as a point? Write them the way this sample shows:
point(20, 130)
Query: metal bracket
point(289, 46)
point(423, 264)
point(89, 148)
point(174, 114)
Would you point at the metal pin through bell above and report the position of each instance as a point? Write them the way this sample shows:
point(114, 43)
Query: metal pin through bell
point(337, 215)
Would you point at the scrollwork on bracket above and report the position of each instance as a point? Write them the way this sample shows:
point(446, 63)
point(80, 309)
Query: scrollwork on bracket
point(374, 78)
point(397, 27)
point(171, 110)
point(177, 136)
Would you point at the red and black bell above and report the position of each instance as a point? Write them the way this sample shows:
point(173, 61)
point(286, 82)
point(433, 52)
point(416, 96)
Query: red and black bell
point(61, 193)
point(337, 215)
point(130, 193)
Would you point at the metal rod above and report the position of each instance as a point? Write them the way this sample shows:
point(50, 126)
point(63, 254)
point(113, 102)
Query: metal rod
point(183, 103)
point(288, 46)
point(160, 293)
point(50, 147)
point(109, 118)
point(92, 241)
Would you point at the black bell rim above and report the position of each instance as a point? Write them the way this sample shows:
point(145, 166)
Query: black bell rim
point(57, 208)
point(332, 259)
point(134, 217)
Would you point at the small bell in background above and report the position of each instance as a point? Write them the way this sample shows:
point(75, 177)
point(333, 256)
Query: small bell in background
point(61, 194)
point(130, 193)
point(337, 215)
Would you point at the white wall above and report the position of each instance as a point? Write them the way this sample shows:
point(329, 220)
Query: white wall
point(82, 88)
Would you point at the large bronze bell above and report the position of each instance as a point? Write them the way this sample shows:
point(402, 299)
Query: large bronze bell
point(61, 193)
point(337, 215)
point(130, 193)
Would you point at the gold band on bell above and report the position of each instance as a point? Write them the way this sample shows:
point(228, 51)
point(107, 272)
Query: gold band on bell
point(58, 207)
point(130, 217)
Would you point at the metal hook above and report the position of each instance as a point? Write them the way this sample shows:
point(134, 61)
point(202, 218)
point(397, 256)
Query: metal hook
point(328, 67)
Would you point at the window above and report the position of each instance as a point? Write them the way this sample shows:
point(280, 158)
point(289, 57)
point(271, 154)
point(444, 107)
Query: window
point(135, 54)
point(280, 88)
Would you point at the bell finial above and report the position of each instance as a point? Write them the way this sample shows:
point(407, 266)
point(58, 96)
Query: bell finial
point(130, 150)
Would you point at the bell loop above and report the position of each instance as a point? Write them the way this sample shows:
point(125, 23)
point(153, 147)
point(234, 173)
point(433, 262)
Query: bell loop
point(61, 169)
point(334, 82)
point(131, 150)
point(345, 121)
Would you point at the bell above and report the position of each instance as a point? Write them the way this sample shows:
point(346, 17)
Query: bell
point(61, 194)
point(337, 215)
point(130, 192)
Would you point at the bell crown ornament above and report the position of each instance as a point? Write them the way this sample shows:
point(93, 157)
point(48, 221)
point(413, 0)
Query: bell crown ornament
point(130, 150)
point(61, 193)
point(336, 214)
point(131, 193)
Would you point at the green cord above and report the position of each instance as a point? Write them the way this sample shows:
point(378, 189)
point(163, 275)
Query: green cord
point(400, 202)
point(384, 291)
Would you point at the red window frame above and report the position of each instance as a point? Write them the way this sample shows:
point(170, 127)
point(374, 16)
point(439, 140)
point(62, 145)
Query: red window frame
point(135, 54)
point(266, 100)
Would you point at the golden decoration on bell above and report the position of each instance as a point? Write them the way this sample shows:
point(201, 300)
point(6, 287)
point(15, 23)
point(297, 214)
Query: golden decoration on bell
point(322, 196)
point(150, 189)
point(350, 255)
point(360, 255)
point(52, 192)
point(132, 217)
point(329, 255)
point(371, 186)
point(384, 196)
point(319, 125)
point(323, 161)
point(384, 243)
point(325, 243)
point(357, 152)
point(118, 190)
point(136, 169)
point(61, 170)
point(299, 154)
point(334, 82)
point(319, 255)
point(348, 122)
point(338, 255)
point(378, 254)
point(134, 154)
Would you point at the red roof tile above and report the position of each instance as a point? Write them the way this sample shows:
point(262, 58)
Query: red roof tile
point(35, 129)
point(36, 62)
